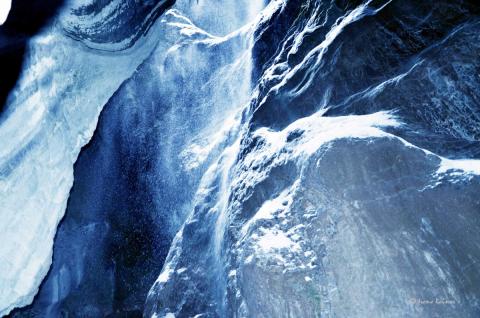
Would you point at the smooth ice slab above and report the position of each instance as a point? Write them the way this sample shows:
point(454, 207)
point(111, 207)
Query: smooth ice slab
point(51, 114)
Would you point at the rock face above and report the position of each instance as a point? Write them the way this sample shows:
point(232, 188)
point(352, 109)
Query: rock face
point(258, 159)
point(350, 188)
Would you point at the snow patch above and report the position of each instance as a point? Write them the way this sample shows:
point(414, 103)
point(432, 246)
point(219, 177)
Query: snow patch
point(165, 275)
point(271, 208)
point(276, 240)
point(318, 130)
point(468, 166)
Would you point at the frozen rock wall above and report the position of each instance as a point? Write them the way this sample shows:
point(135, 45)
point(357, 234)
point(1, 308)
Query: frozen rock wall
point(350, 190)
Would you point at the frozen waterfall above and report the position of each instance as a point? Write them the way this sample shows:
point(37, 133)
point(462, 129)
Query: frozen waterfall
point(225, 158)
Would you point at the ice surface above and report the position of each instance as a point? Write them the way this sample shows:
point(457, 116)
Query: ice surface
point(52, 113)
point(111, 25)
